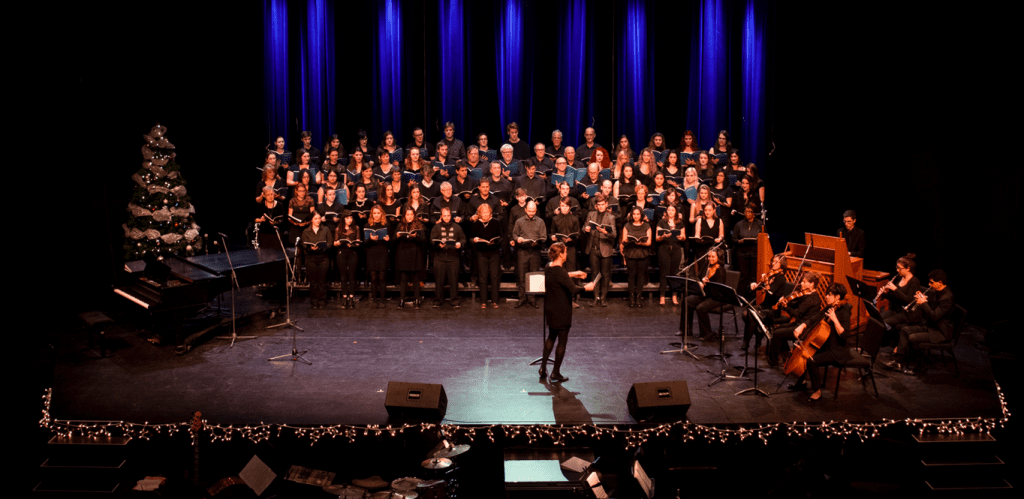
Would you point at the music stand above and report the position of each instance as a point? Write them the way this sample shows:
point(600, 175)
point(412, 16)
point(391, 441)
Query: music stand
point(751, 312)
point(865, 292)
point(725, 295)
point(876, 315)
point(684, 285)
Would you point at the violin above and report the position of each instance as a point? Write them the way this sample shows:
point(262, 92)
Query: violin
point(800, 293)
point(766, 278)
point(808, 345)
point(710, 272)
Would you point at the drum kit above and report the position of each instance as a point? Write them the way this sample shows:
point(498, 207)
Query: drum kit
point(439, 483)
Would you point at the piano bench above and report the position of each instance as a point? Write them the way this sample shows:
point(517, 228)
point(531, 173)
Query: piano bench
point(96, 321)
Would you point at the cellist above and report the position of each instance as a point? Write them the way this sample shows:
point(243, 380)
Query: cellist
point(800, 304)
point(836, 315)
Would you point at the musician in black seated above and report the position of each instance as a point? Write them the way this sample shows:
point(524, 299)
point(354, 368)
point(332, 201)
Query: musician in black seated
point(799, 305)
point(775, 287)
point(854, 236)
point(836, 315)
point(900, 293)
point(702, 305)
point(935, 314)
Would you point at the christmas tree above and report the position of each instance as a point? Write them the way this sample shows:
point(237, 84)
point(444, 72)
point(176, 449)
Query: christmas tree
point(161, 221)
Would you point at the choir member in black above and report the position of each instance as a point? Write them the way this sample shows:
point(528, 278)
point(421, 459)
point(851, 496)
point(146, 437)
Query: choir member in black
point(364, 149)
point(799, 305)
point(392, 207)
point(487, 235)
point(316, 240)
point(836, 315)
point(744, 235)
point(473, 159)
point(900, 292)
point(370, 183)
point(670, 250)
point(330, 209)
point(702, 306)
point(430, 187)
point(315, 158)
point(270, 159)
point(302, 165)
point(415, 162)
point(484, 196)
point(723, 145)
point(621, 161)
point(734, 167)
point(559, 291)
point(688, 146)
point(756, 184)
point(853, 235)
point(331, 165)
point(447, 200)
point(300, 209)
point(500, 187)
point(564, 192)
point(657, 143)
point(747, 196)
point(334, 143)
point(419, 141)
point(284, 156)
point(347, 237)
point(409, 255)
point(390, 145)
point(589, 146)
point(360, 205)
point(935, 314)
point(331, 183)
point(271, 214)
point(446, 257)
point(442, 174)
point(775, 287)
point(625, 185)
point(635, 247)
point(645, 168)
point(462, 184)
point(400, 188)
point(643, 204)
point(528, 234)
point(570, 158)
point(557, 149)
point(376, 249)
point(561, 167)
point(456, 149)
point(520, 149)
point(704, 198)
point(418, 203)
point(600, 225)
point(672, 197)
point(658, 185)
point(624, 147)
point(541, 160)
point(565, 228)
point(708, 225)
point(510, 166)
point(531, 182)
point(593, 178)
point(382, 172)
point(270, 179)
point(705, 168)
point(722, 193)
point(601, 157)
point(486, 153)
point(672, 168)
point(356, 165)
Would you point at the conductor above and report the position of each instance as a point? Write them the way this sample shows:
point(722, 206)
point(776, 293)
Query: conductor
point(558, 293)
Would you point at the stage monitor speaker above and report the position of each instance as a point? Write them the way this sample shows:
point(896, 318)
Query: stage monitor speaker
point(659, 400)
point(422, 401)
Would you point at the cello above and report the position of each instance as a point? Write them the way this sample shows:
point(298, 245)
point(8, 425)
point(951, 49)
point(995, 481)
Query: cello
point(807, 346)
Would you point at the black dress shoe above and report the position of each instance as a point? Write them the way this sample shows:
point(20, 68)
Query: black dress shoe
point(558, 378)
point(543, 373)
point(797, 387)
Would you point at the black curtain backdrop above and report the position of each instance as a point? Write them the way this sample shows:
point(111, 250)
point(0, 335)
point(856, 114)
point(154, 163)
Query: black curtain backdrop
point(869, 110)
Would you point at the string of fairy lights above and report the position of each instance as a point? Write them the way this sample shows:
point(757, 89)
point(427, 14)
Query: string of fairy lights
point(559, 434)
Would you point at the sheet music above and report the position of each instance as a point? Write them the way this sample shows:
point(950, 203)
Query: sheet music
point(257, 475)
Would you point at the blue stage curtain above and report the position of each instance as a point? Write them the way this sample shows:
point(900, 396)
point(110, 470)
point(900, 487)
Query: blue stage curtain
point(755, 128)
point(454, 66)
point(708, 104)
point(634, 93)
point(275, 67)
point(387, 91)
point(575, 104)
point(316, 35)
point(514, 68)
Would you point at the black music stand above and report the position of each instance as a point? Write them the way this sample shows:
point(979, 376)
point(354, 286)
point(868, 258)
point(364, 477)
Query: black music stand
point(865, 292)
point(751, 312)
point(725, 295)
point(534, 283)
point(685, 286)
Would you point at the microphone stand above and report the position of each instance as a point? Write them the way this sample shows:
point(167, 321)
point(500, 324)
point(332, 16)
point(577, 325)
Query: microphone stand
point(234, 284)
point(289, 275)
point(684, 346)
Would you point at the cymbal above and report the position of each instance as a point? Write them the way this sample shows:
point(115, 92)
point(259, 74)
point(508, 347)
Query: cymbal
point(345, 491)
point(407, 483)
point(452, 451)
point(436, 463)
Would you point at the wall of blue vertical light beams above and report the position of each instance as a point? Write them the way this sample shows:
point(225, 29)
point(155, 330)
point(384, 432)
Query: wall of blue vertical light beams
point(617, 64)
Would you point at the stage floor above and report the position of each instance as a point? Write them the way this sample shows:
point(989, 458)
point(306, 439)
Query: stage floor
point(481, 357)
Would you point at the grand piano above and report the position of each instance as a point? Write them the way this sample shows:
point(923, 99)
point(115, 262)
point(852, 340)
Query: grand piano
point(176, 288)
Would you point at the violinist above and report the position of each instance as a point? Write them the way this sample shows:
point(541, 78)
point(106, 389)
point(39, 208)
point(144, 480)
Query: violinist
point(702, 305)
point(774, 285)
point(799, 305)
point(836, 315)
point(935, 307)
